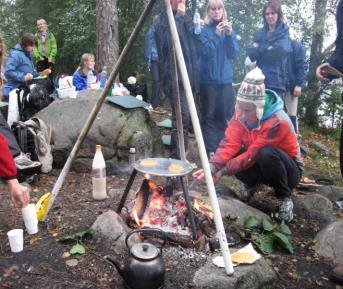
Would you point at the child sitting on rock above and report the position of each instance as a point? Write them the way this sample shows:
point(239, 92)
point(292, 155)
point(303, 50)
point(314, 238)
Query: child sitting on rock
point(85, 77)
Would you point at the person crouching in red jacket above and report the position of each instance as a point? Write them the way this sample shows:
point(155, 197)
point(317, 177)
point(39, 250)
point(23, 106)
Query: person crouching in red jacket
point(19, 194)
point(260, 145)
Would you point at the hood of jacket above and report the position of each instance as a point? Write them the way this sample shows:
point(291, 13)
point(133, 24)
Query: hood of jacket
point(272, 104)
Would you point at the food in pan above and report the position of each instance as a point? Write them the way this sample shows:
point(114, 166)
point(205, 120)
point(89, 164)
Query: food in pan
point(148, 163)
point(175, 168)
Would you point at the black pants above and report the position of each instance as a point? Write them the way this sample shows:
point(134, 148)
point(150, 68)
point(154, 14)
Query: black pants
point(156, 85)
point(274, 168)
point(175, 153)
point(217, 103)
point(8, 134)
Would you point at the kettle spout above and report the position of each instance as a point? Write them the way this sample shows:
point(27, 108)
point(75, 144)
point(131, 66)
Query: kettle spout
point(116, 264)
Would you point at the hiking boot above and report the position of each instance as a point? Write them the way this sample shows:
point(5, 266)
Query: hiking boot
point(286, 210)
point(337, 274)
point(23, 162)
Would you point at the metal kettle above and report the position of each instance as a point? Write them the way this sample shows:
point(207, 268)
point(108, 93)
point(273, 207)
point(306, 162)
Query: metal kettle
point(144, 269)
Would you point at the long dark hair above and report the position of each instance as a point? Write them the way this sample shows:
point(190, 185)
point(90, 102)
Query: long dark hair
point(276, 6)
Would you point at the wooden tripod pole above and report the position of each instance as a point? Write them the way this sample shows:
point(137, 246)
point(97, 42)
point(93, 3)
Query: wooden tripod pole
point(198, 135)
point(98, 105)
point(177, 109)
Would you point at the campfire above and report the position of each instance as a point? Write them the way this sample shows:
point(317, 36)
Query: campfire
point(164, 207)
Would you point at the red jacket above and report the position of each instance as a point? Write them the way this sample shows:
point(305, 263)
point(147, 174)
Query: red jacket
point(276, 131)
point(8, 169)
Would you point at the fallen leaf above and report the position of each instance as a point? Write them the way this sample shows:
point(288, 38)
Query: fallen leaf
point(11, 269)
point(72, 262)
point(65, 255)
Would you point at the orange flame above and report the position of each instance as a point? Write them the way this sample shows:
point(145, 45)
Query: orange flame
point(137, 220)
point(203, 207)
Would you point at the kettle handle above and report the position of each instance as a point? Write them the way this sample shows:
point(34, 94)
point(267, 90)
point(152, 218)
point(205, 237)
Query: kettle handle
point(147, 230)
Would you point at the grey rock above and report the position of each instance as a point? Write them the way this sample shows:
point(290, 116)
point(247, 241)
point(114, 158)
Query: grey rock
point(110, 228)
point(333, 193)
point(314, 206)
point(329, 242)
point(244, 277)
point(115, 128)
point(321, 148)
point(235, 208)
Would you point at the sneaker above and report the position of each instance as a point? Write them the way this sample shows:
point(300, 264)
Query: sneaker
point(23, 162)
point(286, 210)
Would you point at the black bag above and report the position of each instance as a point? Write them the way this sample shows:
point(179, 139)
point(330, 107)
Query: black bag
point(32, 99)
point(25, 139)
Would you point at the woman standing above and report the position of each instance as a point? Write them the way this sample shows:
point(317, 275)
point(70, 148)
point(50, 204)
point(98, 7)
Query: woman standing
point(219, 47)
point(271, 46)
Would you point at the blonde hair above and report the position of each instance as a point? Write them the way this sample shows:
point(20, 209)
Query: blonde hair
point(214, 3)
point(85, 58)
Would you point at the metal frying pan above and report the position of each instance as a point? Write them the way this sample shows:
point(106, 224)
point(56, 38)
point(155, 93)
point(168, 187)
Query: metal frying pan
point(163, 167)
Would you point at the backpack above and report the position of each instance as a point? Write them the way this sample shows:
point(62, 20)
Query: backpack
point(33, 137)
point(32, 99)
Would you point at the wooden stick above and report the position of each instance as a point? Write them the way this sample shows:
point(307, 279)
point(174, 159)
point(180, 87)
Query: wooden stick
point(98, 104)
point(198, 135)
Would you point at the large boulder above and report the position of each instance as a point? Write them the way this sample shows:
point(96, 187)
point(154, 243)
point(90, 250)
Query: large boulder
point(245, 276)
point(314, 206)
point(115, 128)
point(329, 242)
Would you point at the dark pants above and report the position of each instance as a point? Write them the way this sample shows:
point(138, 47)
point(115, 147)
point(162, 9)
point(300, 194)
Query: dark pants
point(274, 168)
point(8, 134)
point(217, 103)
point(156, 85)
point(175, 153)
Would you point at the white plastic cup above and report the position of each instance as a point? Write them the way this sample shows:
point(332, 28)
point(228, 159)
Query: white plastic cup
point(30, 218)
point(31, 226)
point(29, 211)
point(16, 239)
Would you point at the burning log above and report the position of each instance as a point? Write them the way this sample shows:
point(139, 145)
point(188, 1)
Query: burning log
point(142, 198)
point(170, 238)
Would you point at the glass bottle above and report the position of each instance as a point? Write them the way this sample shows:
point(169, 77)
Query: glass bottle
point(99, 175)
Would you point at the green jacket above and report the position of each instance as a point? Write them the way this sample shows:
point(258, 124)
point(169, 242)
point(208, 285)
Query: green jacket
point(51, 48)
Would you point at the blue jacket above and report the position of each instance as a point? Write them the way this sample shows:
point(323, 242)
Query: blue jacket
point(296, 66)
point(216, 54)
point(150, 52)
point(271, 55)
point(80, 79)
point(18, 64)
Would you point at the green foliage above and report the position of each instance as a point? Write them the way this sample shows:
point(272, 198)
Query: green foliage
point(78, 237)
point(265, 234)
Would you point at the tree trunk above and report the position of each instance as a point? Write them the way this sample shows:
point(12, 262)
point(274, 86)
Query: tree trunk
point(313, 95)
point(107, 40)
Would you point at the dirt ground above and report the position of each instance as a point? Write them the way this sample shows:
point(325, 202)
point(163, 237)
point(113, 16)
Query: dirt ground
point(44, 262)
